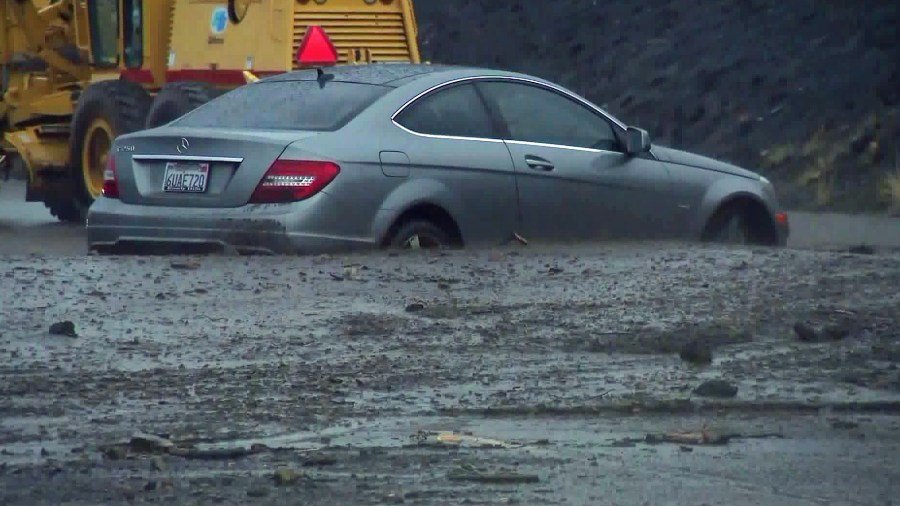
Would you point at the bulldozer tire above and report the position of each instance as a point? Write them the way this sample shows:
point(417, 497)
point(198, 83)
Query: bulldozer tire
point(65, 210)
point(177, 99)
point(105, 110)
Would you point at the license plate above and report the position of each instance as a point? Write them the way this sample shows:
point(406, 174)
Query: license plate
point(186, 177)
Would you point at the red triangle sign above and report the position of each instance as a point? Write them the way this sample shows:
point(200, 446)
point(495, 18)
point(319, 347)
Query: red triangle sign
point(316, 48)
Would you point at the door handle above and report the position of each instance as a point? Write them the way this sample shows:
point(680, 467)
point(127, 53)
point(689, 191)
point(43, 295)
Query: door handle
point(538, 163)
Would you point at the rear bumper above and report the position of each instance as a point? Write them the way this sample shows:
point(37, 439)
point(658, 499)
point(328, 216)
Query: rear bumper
point(116, 227)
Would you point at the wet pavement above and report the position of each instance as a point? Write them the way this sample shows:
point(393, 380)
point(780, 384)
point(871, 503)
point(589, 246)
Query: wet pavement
point(355, 379)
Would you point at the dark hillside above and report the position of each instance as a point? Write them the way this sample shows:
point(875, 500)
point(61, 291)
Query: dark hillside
point(807, 92)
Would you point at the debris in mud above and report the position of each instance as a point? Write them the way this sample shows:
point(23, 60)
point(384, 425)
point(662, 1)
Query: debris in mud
point(447, 438)
point(216, 453)
point(844, 424)
point(115, 453)
point(159, 464)
point(861, 249)
point(287, 476)
point(149, 443)
point(833, 332)
point(837, 332)
point(687, 439)
point(415, 307)
point(127, 492)
point(716, 388)
point(65, 328)
point(690, 438)
point(143, 443)
point(696, 352)
point(257, 492)
point(319, 460)
point(516, 239)
point(184, 266)
point(351, 272)
point(651, 340)
point(468, 472)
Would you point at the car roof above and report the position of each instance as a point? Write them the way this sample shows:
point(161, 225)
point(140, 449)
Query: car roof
point(383, 74)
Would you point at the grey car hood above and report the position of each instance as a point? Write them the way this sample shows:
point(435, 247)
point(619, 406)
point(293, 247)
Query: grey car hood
point(678, 157)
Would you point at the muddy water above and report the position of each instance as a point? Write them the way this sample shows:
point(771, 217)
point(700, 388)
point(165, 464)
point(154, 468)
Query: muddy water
point(558, 351)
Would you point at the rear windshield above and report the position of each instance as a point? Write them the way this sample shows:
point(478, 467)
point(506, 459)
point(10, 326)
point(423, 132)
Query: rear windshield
point(287, 105)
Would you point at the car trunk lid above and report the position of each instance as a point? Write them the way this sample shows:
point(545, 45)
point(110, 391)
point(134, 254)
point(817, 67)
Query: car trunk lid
point(186, 167)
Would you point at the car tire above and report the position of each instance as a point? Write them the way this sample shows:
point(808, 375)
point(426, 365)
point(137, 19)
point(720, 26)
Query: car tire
point(105, 110)
point(419, 234)
point(176, 99)
point(729, 226)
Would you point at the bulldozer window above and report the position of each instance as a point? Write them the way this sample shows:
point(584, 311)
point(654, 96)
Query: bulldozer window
point(104, 19)
point(134, 34)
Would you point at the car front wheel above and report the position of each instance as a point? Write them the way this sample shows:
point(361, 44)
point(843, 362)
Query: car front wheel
point(729, 228)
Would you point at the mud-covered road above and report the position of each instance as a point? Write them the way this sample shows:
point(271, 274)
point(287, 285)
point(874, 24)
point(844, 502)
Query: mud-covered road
point(330, 380)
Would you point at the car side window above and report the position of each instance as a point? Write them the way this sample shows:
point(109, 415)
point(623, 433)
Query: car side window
point(456, 111)
point(535, 114)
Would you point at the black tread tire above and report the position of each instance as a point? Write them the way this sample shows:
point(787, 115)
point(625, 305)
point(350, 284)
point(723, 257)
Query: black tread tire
point(731, 217)
point(124, 105)
point(177, 99)
point(65, 210)
point(422, 228)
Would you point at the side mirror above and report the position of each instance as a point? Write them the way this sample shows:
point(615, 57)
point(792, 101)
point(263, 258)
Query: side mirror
point(637, 141)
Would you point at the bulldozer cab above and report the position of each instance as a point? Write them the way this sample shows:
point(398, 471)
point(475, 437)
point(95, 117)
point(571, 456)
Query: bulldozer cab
point(158, 41)
point(106, 19)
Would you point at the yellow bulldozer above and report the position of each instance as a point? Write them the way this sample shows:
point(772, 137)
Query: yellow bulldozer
point(78, 73)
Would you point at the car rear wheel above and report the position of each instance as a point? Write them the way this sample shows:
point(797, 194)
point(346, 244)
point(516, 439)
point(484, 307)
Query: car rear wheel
point(419, 234)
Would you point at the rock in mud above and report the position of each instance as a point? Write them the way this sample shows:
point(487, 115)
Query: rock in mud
point(115, 453)
point(696, 352)
point(838, 331)
point(498, 477)
point(159, 464)
point(806, 333)
point(257, 492)
point(184, 266)
point(319, 461)
point(716, 388)
point(149, 443)
point(64, 328)
point(844, 424)
point(127, 492)
point(415, 307)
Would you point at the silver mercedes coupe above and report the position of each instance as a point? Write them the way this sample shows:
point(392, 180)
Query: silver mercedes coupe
point(413, 156)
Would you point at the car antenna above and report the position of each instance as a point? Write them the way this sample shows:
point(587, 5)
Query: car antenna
point(322, 77)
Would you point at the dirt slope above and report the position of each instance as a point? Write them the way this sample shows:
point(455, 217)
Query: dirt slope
point(805, 91)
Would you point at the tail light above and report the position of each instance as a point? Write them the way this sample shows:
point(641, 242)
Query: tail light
point(293, 180)
point(110, 178)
